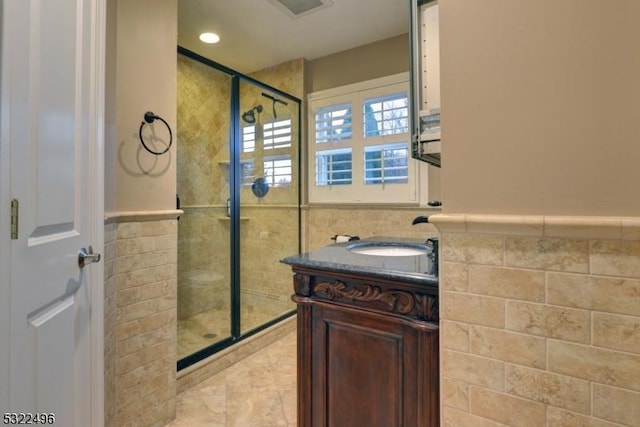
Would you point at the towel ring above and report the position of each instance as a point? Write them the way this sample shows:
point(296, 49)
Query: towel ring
point(149, 117)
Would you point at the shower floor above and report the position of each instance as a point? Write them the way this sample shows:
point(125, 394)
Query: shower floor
point(204, 329)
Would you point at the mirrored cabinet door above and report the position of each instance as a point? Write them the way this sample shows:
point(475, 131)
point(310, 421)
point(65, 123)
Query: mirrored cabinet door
point(425, 81)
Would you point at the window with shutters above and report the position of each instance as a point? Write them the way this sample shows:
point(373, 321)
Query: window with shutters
point(273, 146)
point(359, 144)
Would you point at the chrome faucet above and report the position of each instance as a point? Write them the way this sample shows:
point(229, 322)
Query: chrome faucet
point(432, 244)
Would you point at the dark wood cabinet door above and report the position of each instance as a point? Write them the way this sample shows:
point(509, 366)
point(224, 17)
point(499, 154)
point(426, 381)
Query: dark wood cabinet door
point(367, 351)
point(369, 369)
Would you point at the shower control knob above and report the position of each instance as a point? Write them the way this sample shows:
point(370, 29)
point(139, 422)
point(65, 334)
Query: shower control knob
point(86, 256)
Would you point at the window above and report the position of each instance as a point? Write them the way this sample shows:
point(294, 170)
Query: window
point(277, 134)
point(246, 161)
point(333, 123)
point(333, 167)
point(248, 139)
point(246, 171)
point(386, 164)
point(386, 115)
point(274, 141)
point(359, 144)
point(277, 170)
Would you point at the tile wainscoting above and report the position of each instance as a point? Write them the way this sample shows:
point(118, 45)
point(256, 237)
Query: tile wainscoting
point(140, 318)
point(321, 222)
point(540, 320)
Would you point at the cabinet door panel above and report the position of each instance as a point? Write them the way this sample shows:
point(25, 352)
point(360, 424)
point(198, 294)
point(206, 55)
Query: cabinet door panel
point(361, 369)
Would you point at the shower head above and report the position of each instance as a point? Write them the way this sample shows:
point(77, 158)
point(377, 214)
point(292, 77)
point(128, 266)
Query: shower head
point(249, 116)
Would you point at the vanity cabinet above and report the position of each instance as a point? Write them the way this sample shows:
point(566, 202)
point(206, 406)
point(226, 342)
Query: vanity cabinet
point(367, 350)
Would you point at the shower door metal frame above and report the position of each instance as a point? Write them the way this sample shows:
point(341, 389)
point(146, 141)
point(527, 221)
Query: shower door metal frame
point(235, 185)
point(234, 195)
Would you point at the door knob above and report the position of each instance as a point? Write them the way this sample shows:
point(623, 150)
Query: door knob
point(86, 256)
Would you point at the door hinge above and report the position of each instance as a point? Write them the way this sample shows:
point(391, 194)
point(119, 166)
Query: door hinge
point(14, 219)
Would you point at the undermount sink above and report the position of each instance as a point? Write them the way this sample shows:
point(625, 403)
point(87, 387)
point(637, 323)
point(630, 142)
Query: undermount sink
point(387, 249)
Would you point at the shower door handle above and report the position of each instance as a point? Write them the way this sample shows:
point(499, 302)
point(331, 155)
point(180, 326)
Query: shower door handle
point(86, 256)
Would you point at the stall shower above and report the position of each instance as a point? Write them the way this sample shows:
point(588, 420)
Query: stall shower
point(239, 187)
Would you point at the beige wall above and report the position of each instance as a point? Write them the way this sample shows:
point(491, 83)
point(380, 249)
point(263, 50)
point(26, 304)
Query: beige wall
point(379, 59)
point(140, 233)
point(141, 76)
point(540, 251)
point(540, 105)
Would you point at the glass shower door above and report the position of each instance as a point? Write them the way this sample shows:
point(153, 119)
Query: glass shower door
point(203, 184)
point(269, 203)
point(238, 185)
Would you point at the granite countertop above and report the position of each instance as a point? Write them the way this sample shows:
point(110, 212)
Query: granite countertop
point(338, 258)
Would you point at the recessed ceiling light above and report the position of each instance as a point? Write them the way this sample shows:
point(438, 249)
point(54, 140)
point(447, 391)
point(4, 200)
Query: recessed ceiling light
point(209, 38)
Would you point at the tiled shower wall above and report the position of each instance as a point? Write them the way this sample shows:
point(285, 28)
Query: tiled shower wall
point(203, 187)
point(140, 322)
point(204, 249)
point(540, 321)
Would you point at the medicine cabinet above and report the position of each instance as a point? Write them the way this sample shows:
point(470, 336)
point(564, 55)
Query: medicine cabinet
point(425, 81)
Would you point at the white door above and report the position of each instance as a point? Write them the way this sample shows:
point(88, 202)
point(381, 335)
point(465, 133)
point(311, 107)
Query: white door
point(51, 164)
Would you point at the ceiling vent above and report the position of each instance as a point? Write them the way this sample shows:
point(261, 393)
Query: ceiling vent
point(298, 8)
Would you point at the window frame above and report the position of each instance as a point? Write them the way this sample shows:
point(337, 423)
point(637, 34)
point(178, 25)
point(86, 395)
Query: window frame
point(359, 191)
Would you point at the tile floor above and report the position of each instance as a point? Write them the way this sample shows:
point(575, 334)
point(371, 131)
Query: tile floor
point(204, 329)
point(259, 391)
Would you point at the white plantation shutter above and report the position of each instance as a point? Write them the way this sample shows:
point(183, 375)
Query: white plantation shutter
point(359, 144)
